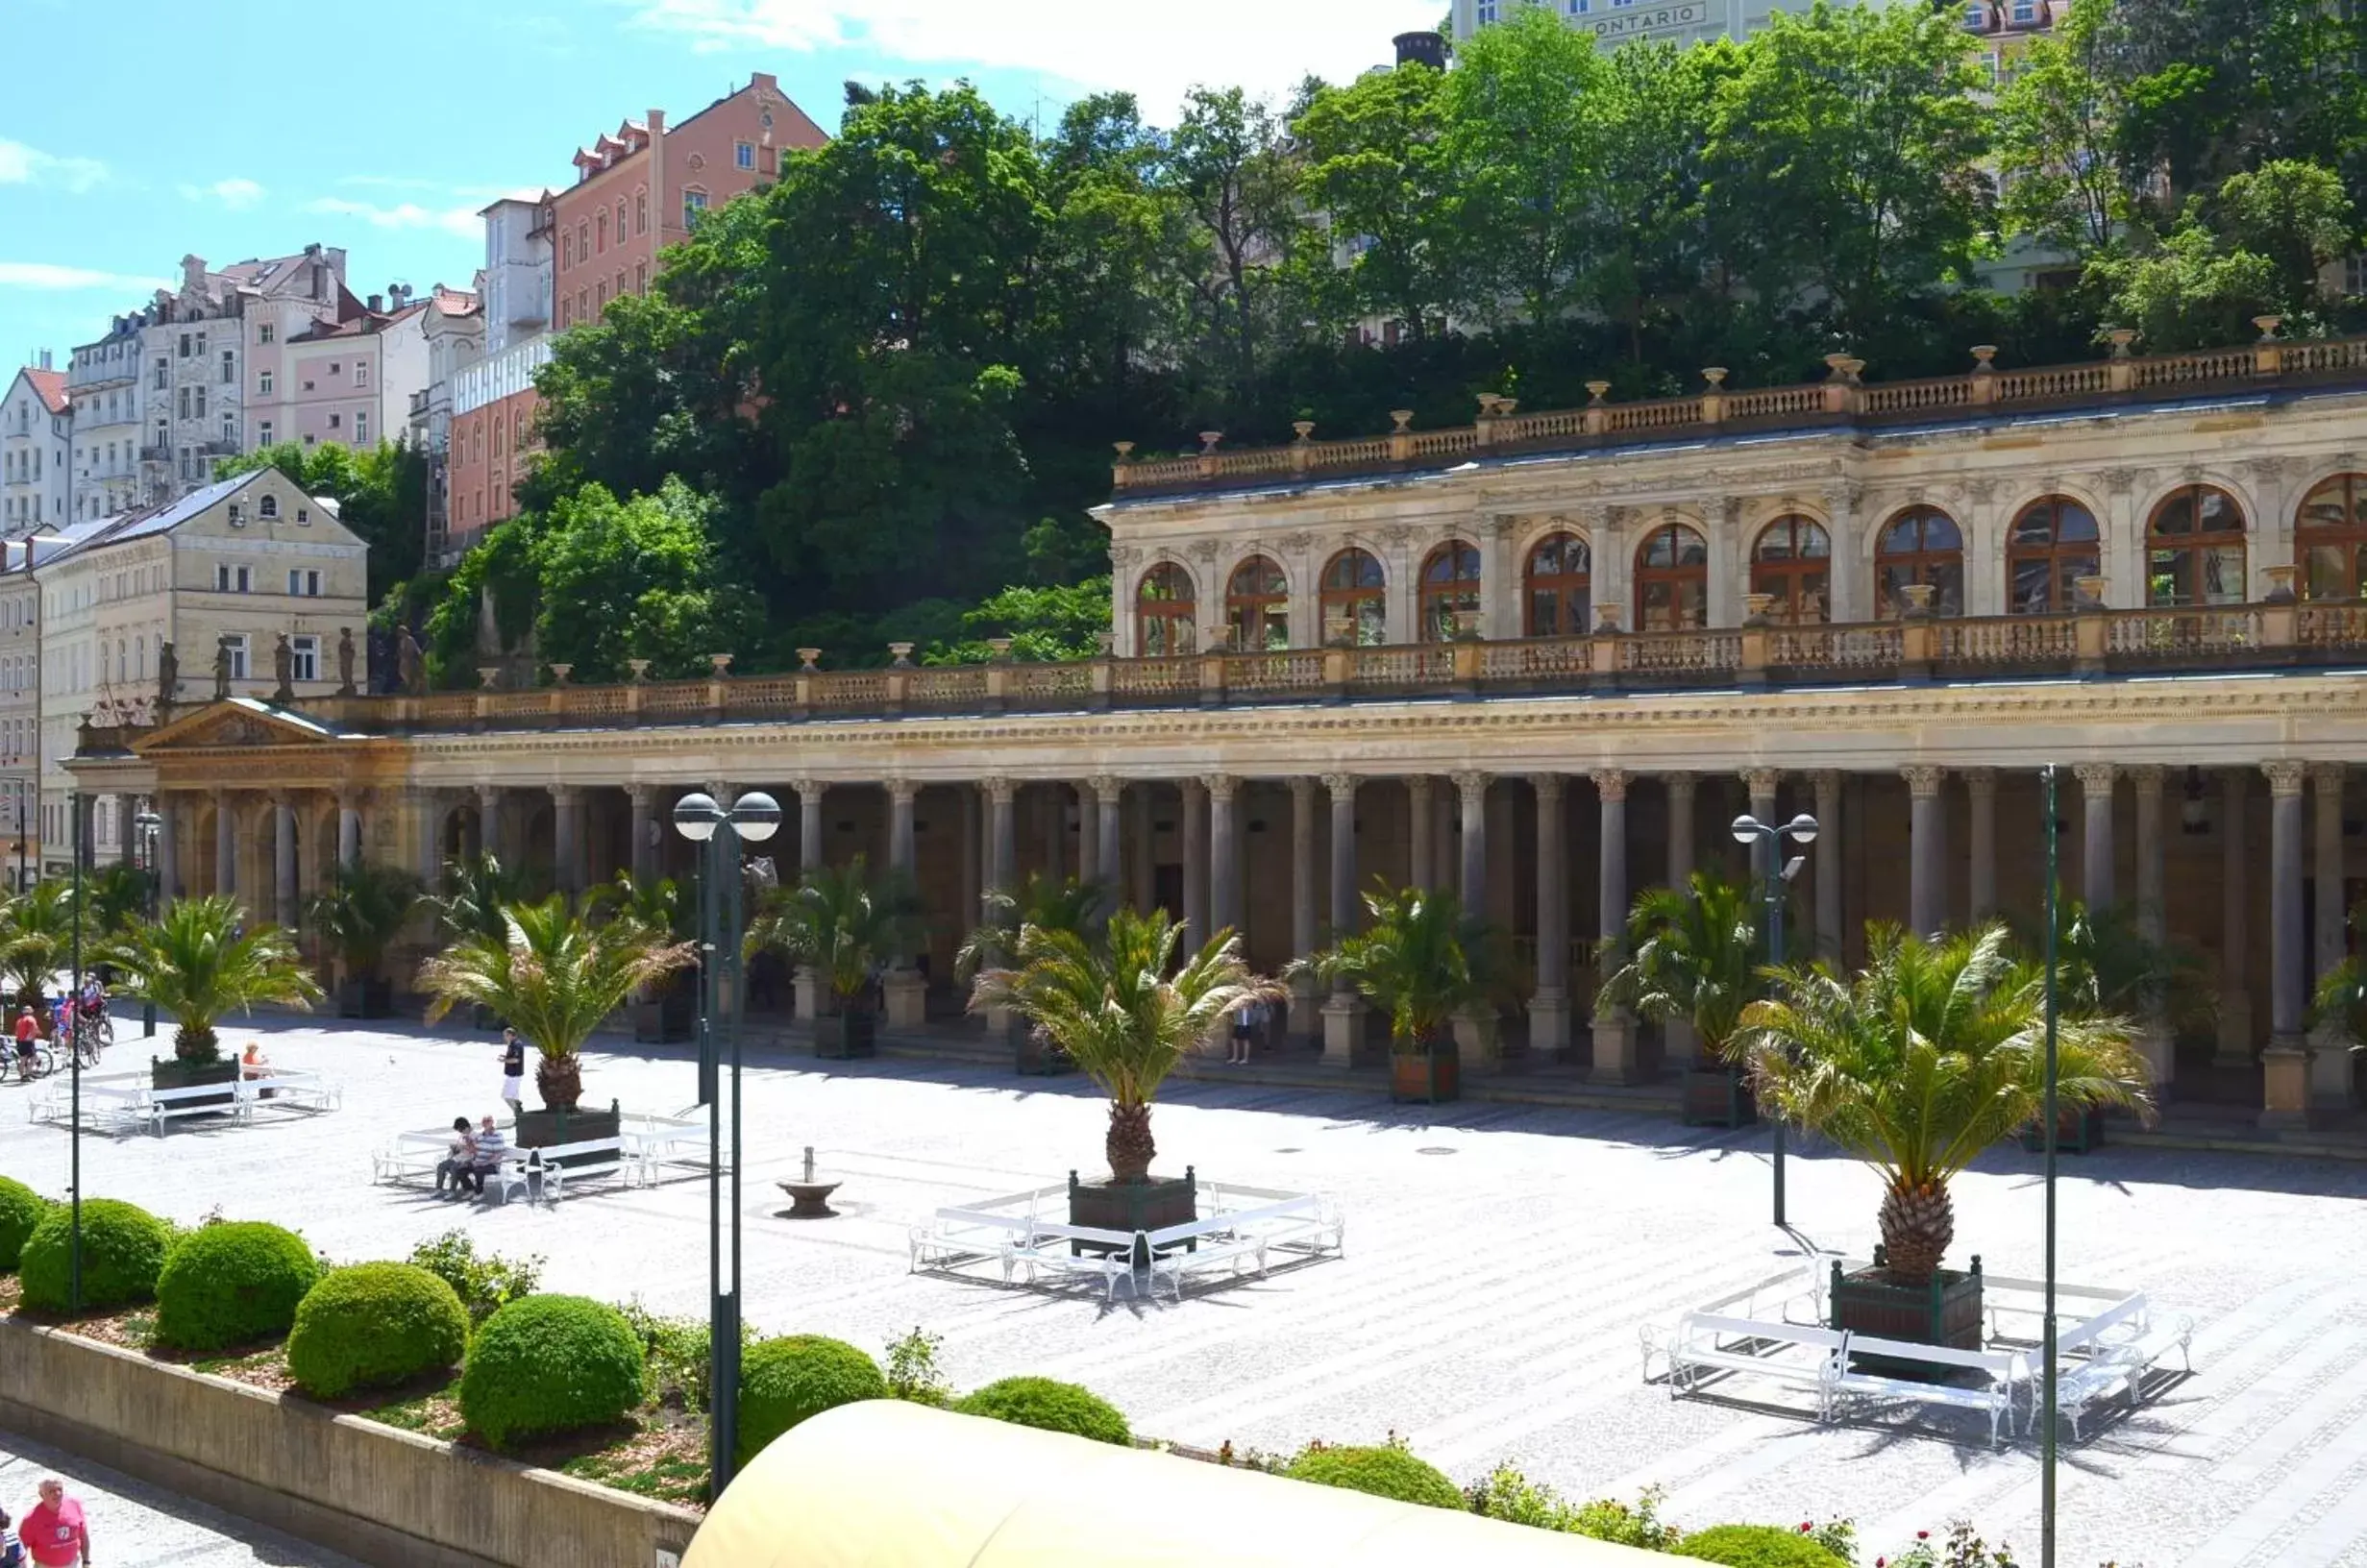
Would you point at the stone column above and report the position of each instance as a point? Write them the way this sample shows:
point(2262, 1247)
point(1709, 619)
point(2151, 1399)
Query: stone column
point(1472, 788)
point(2096, 834)
point(168, 849)
point(1444, 867)
point(490, 820)
point(1224, 856)
point(642, 854)
point(567, 832)
point(1420, 825)
point(1679, 1044)
point(284, 859)
point(1305, 1021)
point(1001, 834)
point(1981, 784)
point(2285, 1063)
point(809, 791)
point(225, 845)
point(1927, 875)
point(905, 990)
point(1055, 806)
point(2153, 1036)
point(2234, 923)
point(1108, 797)
point(2330, 1061)
point(973, 877)
point(1146, 885)
point(1827, 865)
point(127, 807)
point(1549, 1007)
point(901, 793)
point(348, 827)
point(1614, 1032)
point(1344, 1014)
point(1194, 862)
point(1088, 836)
point(1763, 783)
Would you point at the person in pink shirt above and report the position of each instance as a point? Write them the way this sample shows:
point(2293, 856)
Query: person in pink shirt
point(52, 1529)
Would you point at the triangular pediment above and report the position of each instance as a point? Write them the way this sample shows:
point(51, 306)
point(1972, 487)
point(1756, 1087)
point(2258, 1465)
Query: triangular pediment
point(238, 722)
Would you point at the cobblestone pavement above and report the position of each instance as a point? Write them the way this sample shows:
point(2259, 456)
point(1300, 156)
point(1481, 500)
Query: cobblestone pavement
point(135, 1526)
point(1500, 1261)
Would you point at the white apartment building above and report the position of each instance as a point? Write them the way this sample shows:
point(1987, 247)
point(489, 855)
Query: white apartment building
point(20, 717)
point(230, 568)
point(36, 435)
point(452, 325)
point(102, 381)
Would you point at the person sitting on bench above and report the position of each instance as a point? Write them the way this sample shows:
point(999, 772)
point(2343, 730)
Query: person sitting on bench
point(456, 1160)
point(491, 1151)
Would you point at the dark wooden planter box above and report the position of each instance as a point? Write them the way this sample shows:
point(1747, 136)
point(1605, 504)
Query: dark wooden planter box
point(371, 998)
point(176, 1074)
point(846, 1035)
point(1426, 1077)
point(542, 1129)
point(671, 1015)
point(1943, 1310)
point(2075, 1131)
point(1717, 1097)
point(1033, 1055)
point(1149, 1204)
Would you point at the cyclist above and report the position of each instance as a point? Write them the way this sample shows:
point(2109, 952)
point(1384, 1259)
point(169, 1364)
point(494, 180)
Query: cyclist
point(28, 1041)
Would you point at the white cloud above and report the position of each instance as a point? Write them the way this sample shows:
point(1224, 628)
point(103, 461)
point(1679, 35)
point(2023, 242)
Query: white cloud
point(236, 193)
point(1251, 43)
point(48, 275)
point(23, 166)
point(456, 220)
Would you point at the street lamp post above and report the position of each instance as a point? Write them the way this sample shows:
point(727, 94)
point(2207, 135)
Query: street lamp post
point(1768, 840)
point(753, 818)
point(72, 1034)
point(147, 824)
point(2047, 1119)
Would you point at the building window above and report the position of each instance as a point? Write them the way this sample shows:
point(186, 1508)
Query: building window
point(1673, 580)
point(361, 373)
point(2194, 548)
point(1920, 546)
point(1163, 611)
point(336, 422)
point(641, 211)
point(361, 427)
point(307, 663)
point(744, 155)
point(641, 277)
point(693, 203)
point(2054, 543)
point(233, 579)
point(2332, 531)
point(600, 295)
point(1977, 16)
point(1451, 592)
point(1793, 561)
point(303, 581)
point(600, 232)
point(262, 383)
point(583, 240)
point(262, 332)
point(620, 220)
point(184, 345)
point(230, 369)
point(267, 507)
point(1354, 600)
point(567, 250)
point(263, 433)
point(238, 648)
point(1557, 587)
point(1257, 606)
point(201, 401)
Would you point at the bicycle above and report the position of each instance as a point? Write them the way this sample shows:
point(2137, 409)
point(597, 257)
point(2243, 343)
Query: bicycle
point(88, 1037)
point(39, 1063)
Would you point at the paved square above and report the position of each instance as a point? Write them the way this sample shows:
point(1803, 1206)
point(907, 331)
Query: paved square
point(1499, 1263)
point(137, 1525)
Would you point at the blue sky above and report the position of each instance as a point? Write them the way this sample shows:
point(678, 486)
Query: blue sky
point(133, 131)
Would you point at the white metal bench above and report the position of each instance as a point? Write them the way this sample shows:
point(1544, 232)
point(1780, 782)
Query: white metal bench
point(996, 1230)
point(593, 1158)
point(1204, 1244)
point(1702, 1343)
point(163, 1105)
point(1085, 1250)
point(411, 1155)
point(2108, 1355)
point(656, 1140)
point(2002, 1373)
point(289, 1090)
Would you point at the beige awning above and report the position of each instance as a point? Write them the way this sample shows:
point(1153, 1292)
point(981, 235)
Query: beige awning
point(887, 1484)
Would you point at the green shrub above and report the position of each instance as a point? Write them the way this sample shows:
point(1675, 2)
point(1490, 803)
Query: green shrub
point(20, 1210)
point(1386, 1471)
point(677, 1350)
point(123, 1251)
point(231, 1284)
point(1053, 1406)
point(912, 1369)
point(484, 1284)
point(551, 1364)
point(374, 1324)
point(1757, 1546)
point(1511, 1496)
point(789, 1380)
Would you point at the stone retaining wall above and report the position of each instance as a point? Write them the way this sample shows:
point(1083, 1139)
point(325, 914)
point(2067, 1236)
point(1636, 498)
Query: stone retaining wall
point(371, 1491)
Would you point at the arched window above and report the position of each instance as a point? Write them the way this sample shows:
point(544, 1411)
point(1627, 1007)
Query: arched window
point(1557, 587)
point(1920, 546)
point(1163, 611)
point(1257, 606)
point(2330, 531)
point(1673, 580)
point(2194, 548)
point(1355, 599)
point(1451, 592)
point(1793, 560)
point(2054, 543)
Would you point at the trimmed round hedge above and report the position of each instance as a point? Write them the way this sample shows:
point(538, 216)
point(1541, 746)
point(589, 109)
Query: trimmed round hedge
point(1384, 1472)
point(232, 1283)
point(1756, 1546)
point(123, 1251)
point(798, 1376)
point(551, 1364)
point(374, 1324)
point(1053, 1406)
point(20, 1210)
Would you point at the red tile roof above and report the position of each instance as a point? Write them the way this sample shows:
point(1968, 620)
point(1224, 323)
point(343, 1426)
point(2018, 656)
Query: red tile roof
point(50, 385)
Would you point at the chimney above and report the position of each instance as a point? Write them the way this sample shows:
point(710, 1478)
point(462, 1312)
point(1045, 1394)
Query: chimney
point(1423, 48)
point(192, 272)
point(655, 119)
point(44, 358)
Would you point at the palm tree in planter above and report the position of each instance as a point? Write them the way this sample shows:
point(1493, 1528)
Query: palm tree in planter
point(197, 961)
point(36, 934)
point(845, 927)
point(1125, 1012)
point(556, 975)
point(666, 1009)
point(1421, 960)
point(1695, 954)
point(2106, 965)
point(468, 902)
point(359, 916)
point(1048, 904)
point(1933, 1051)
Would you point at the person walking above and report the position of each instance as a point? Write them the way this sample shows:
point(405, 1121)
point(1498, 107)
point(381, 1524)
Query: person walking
point(1244, 1034)
point(458, 1159)
point(55, 1531)
point(513, 1068)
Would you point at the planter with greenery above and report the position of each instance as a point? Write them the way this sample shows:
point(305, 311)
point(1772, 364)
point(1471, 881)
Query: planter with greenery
point(667, 1008)
point(2107, 967)
point(1423, 961)
point(1694, 954)
point(993, 943)
point(844, 926)
point(1915, 1065)
point(468, 901)
point(358, 918)
point(557, 976)
point(197, 963)
point(36, 934)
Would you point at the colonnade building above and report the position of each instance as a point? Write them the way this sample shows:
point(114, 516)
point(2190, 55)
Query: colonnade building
point(1546, 659)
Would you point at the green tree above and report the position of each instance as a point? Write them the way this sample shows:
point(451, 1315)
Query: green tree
point(634, 578)
point(2296, 216)
point(841, 922)
point(199, 961)
point(1421, 959)
point(1229, 169)
point(1693, 954)
point(2190, 290)
point(1062, 623)
point(2058, 122)
point(1378, 169)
